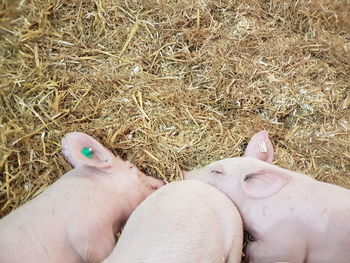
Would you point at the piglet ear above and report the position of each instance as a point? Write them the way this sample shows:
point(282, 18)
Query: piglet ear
point(81, 149)
point(264, 183)
point(260, 147)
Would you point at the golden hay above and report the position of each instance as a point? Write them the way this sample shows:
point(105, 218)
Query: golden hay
point(172, 85)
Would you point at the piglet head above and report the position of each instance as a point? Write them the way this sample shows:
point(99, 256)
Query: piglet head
point(82, 150)
point(251, 176)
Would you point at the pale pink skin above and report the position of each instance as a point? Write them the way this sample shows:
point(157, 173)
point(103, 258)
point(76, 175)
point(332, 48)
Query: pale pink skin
point(184, 221)
point(75, 219)
point(293, 217)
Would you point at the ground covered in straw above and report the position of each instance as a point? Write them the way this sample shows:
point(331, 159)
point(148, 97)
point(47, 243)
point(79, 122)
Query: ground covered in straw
point(172, 85)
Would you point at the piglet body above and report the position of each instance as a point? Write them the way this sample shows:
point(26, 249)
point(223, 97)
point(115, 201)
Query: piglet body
point(184, 221)
point(292, 217)
point(75, 219)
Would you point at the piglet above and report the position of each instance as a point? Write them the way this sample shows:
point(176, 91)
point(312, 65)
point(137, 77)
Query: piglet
point(292, 217)
point(76, 218)
point(184, 221)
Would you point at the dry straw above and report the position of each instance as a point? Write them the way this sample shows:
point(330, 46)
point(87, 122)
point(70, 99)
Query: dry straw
point(172, 85)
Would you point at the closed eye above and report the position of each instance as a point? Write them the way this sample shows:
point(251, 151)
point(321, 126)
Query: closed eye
point(216, 172)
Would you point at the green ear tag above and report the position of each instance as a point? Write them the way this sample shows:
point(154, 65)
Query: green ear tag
point(87, 152)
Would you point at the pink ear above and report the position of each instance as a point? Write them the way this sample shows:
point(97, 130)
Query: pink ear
point(260, 147)
point(72, 145)
point(264, 183)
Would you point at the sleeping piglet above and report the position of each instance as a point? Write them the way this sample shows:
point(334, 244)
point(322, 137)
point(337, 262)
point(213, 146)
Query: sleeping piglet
point(292, 217)
point(183, 222)
point(76, 218)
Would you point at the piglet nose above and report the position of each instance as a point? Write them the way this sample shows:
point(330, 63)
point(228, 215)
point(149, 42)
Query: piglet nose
point(161, 183)
point(157, 185)
point(164, 181)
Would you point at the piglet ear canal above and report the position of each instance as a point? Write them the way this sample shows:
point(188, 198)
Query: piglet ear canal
point(260, 147)
point(81, 149)
point(263, 183)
